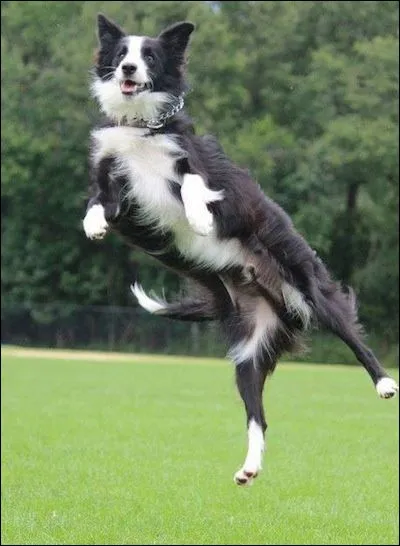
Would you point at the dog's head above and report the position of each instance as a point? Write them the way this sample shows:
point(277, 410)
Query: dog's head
point(137, 76)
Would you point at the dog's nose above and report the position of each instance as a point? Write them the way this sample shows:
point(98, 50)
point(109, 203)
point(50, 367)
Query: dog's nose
point(128, 69)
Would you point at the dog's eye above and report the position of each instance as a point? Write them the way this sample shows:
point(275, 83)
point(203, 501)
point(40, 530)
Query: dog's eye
point(122, 53)
point(149, 59)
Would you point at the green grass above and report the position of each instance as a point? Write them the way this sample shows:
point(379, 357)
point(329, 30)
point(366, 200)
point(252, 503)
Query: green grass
point(143, 452)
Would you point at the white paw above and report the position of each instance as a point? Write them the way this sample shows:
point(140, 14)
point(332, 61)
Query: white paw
point(200, 219)
point(94, 223)
point(210, 196)
point(387, 387)
point(246, 476)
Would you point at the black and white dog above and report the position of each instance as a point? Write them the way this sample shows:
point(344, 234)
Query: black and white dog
point(177, 197)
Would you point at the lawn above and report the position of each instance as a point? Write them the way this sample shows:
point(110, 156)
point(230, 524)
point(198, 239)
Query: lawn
point(142, 450)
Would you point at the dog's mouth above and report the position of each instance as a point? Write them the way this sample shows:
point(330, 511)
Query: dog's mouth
point(130, 87)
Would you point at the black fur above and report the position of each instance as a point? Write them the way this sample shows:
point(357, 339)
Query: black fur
point(276, 253)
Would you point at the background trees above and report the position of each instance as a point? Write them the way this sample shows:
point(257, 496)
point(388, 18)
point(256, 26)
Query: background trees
point(305, 94)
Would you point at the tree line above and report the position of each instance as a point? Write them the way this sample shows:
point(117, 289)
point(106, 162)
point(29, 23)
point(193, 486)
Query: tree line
point(303, 94)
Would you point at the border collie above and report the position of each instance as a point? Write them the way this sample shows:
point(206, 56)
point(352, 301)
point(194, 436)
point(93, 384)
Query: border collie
point(177, 197)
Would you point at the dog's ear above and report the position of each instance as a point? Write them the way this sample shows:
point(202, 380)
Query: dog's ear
point(107, 30)
point(176, 37)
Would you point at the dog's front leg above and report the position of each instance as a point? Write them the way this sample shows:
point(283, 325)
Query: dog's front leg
point(95, 223)
point(103, 206)
point(195, 196)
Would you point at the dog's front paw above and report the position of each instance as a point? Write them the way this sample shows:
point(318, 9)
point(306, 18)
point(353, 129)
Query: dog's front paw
point(94, 223)
point(201, 220)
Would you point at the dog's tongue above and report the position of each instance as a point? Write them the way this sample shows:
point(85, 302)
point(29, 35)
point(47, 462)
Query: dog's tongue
point(128, 86)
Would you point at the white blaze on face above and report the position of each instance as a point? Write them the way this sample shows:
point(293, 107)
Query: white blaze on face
point(134, 56)
point(117, 105)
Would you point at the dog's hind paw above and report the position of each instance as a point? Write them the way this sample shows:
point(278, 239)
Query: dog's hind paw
point(94, 223)
point(387, 387)
point(245, 476)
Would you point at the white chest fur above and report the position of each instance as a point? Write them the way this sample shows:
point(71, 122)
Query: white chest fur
point(149, 163)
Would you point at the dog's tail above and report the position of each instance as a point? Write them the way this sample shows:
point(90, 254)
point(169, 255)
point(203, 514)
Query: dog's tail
point(191, 309)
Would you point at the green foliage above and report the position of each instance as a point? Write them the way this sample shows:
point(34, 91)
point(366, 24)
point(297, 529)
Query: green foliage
point(304, 94)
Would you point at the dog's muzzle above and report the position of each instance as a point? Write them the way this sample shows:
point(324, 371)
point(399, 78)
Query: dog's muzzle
point(130, 87)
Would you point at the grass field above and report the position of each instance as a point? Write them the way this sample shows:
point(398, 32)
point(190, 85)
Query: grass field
point(142, 450)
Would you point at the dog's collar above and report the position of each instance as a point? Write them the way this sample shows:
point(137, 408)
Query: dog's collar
point(160, 121)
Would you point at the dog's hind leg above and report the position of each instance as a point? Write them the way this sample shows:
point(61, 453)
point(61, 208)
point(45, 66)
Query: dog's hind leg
point(385, 386)
point(252, 330)
point(337, 312)
point(250, 383)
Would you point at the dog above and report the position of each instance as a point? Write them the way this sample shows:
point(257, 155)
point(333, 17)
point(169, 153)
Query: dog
point(177, 197)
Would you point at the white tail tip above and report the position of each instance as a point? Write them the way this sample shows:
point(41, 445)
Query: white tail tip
point(151, 305)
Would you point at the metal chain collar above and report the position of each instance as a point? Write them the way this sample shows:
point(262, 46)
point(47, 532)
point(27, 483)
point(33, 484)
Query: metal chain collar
point(157, 123)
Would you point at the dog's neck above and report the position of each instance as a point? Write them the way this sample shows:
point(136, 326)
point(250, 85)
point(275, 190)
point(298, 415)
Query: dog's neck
point(159, 120)
point(153, 108)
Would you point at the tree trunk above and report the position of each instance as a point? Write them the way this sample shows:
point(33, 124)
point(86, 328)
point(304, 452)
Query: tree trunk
point(352, 197)
point(350, 233)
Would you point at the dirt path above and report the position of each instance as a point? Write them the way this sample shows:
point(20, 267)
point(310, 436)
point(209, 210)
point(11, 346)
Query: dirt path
point(104, 356)
point(138, 358)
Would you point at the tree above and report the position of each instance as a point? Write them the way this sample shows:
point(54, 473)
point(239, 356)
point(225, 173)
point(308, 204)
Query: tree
point(304, 94)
